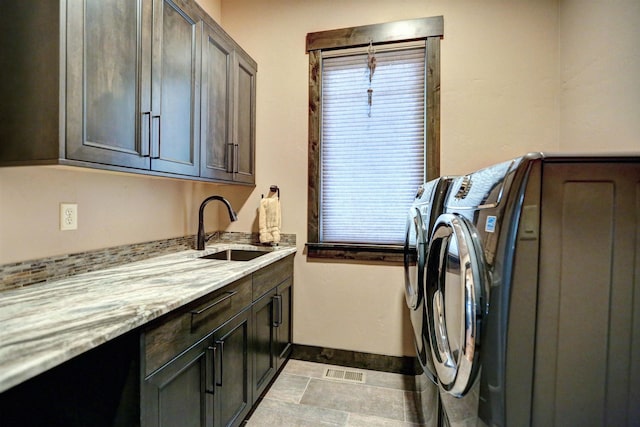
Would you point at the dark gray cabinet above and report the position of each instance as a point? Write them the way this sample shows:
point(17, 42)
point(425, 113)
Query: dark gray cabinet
point(272, 317)
point(196, 364)
point(180, 394)
point(107, 60)
point(117, 84)
point(207, 363)
point(133, 85)
point(264, 343)
point(173, 122)
point(232, 371)
point(228, 109)
point(272, 334)
point(284, 321)
point(244, 110)
point(207, 385)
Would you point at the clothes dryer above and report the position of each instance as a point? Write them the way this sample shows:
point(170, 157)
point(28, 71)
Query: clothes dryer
point(531, 291)
point(426, 208)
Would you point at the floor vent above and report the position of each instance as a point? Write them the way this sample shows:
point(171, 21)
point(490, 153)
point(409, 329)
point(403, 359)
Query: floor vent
point(344, 376)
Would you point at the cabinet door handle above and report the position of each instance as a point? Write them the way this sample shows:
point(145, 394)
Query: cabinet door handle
point(145, 137)
point(230, 157)
point(218, 380)
point(210, 358)
point(277, 307)
point(155, 137)
point(236, 162)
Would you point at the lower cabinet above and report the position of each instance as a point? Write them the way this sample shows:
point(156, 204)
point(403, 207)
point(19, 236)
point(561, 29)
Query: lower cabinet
point(180, 394)
point(272, 334)
point(284, 339)
point(232, 371)
point(207, 363)
point(204, 364)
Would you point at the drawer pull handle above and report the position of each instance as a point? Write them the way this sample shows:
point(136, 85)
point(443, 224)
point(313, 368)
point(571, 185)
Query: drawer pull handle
point(196, 313)
point(225, 297)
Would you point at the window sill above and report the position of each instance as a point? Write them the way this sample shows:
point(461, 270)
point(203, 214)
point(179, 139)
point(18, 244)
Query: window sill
point(356, 252)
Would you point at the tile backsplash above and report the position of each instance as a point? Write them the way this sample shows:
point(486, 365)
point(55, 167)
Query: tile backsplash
point(25, 273)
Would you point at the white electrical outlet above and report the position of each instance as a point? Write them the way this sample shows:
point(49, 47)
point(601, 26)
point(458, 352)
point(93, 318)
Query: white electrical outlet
point(68, 216)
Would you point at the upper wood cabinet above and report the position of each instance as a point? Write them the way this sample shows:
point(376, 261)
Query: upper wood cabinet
point(175, 94)
point(244, 110)
point(126, 85)
point(107, 61)
point(228, 109)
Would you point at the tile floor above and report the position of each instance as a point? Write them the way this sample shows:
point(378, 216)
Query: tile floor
point(300, 396)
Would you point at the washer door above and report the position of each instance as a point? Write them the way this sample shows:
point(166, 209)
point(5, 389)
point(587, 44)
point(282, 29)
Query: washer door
point(414, 258)
point(454, 297)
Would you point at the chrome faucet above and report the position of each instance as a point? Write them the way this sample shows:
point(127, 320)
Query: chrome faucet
point(201, 237)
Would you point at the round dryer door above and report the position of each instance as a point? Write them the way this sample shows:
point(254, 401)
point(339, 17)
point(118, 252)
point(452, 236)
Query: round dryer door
point(414, 258)
point(454, 292)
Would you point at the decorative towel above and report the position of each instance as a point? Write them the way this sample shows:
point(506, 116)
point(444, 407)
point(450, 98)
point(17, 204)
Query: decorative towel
point(269, 219)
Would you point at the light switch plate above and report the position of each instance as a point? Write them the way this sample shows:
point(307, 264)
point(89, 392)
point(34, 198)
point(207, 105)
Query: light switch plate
point(68, 216)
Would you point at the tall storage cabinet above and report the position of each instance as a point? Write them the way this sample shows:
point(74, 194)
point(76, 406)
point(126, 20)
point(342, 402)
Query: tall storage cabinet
point(117, 84)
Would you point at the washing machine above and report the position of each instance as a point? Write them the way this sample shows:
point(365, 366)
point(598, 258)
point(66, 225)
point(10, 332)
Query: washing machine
point(425, 209)
point(532, 285)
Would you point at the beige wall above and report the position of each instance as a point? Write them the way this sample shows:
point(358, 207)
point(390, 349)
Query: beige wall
point(503, 85)
point(599, 74)
point(113, 209)
point(213, 8)
point(499, 99)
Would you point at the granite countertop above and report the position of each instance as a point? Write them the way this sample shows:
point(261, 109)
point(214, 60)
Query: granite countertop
point(44, 325)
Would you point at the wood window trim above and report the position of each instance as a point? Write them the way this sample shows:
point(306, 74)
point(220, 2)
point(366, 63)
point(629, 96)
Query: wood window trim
point(431, 30)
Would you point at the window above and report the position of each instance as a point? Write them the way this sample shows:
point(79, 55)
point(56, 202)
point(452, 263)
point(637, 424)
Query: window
point(373, 134)
point(370, 144)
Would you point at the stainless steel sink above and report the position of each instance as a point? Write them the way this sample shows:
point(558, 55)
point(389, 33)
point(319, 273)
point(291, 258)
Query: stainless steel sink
point(235, 255)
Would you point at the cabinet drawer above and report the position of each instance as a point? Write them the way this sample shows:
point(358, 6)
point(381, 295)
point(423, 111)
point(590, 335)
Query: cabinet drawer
point(271, 276)
point(169, 335)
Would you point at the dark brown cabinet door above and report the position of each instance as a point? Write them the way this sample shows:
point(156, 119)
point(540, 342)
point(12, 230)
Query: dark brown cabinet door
point(216, 146)
point(228, 110)
point(121, 85)
point(244, 120)
point(232, 371)
point(284, 321)
point(174, 127)
point(176, 394)
point(108, 52)
point(272, 334)
point(264, 344)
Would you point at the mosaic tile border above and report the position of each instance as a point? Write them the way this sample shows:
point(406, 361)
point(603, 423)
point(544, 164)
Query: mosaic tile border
point(24, 273)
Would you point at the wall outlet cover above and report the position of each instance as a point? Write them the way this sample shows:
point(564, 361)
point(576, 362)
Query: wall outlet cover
point(68, 216)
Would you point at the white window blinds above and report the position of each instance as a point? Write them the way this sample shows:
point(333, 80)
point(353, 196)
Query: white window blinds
point(372, 158)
